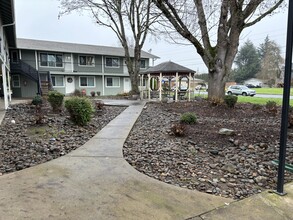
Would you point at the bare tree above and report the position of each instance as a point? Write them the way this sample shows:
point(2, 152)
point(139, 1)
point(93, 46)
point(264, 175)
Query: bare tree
point(122, 17)
point(214, 28)
point(271, 62)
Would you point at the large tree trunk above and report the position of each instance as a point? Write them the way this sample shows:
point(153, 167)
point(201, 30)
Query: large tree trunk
point(216, 88)
point(134, 78)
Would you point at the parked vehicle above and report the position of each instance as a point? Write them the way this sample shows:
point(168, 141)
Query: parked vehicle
point(240, 90)
point(253, 86)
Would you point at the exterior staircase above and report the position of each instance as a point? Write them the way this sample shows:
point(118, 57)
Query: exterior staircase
point(33, 74)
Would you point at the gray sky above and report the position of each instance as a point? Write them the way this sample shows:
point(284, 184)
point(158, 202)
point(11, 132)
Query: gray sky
point(38, 19)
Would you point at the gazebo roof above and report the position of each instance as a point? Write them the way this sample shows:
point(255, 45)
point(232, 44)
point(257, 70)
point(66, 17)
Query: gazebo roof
point(169, 68)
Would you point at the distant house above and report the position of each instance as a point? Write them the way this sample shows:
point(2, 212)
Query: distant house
point(37, 66)
point(7, 39)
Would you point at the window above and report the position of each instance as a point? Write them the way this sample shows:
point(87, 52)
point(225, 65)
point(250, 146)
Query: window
point(112, 82)
point(15, 81)
point(51, 60)
point(112, 62)
point(14, 56)
point(58, 81)
point(142, 64)
point(86, 61)
point(87, 81)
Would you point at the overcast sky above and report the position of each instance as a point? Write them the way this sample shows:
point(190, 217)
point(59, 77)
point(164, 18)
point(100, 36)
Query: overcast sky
point(38, 19)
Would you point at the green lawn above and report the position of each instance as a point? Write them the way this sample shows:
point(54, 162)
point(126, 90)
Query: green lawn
point(261, 101)
point(256, 100)
point(275, 91)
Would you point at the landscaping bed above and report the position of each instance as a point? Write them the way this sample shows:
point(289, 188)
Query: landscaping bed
point(235, 166)
point(23, 143)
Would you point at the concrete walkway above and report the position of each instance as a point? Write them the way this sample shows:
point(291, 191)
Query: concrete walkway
point(95, 182)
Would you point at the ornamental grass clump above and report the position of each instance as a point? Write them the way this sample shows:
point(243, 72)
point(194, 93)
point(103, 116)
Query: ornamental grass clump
point(230, 100)
point(188, 118)
point(80, 110)
point(56, 100)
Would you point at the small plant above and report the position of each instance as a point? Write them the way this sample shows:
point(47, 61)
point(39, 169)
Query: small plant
point(56, 100)
point(80, 110)
point(37, 100)
point(39, 115)
point(271, 105)
point(188, 118)
point(93, 94)
point(178, 129)
point(230, 100)
point(98, 93)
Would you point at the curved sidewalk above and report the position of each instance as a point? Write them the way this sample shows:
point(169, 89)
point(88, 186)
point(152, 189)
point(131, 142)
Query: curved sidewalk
point(95, 182)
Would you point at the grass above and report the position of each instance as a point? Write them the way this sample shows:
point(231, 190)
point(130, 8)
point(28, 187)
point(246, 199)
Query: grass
point(255, 100)
point(274, 91)
point(260, 101)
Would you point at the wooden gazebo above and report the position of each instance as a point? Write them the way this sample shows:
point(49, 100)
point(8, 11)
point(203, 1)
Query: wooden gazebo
point(167, 71)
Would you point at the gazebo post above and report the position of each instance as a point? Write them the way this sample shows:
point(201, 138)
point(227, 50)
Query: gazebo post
point(189, 84)
point(160, 87)
point(176, 87)
point(149, 86)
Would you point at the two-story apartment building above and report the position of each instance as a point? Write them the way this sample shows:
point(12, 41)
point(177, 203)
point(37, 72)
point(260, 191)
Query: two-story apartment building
point(7, 39)
point(69, 67)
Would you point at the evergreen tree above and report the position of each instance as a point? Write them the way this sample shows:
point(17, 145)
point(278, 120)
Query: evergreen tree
point(247, 62)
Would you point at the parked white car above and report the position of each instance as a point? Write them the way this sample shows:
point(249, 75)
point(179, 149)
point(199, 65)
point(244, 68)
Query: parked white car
point(240, 90)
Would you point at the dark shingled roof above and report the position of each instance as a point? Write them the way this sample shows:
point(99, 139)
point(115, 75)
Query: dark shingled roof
point(43, 45)
point(168, 67)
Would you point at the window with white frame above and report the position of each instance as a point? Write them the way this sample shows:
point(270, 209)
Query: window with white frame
point(112, 81)
point(112, 62)
point(58, 81)
point(51, 60)
point(142, 64)
point(87, 81)
point(86, 60)
point(15, 81)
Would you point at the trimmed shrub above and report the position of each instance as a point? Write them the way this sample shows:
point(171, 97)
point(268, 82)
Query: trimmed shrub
point(230, 100)
point(80, 110)
point(56, 100)
point(37, 100)
point(188, 118)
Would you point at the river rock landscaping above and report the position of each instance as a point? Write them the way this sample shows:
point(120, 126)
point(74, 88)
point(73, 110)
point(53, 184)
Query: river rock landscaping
point(236, 164)
point(23, 143)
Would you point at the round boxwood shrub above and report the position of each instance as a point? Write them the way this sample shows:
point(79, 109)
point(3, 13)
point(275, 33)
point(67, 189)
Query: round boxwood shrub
point(37, 100)
point(230, 100)
point(56, 100)
point(188, 118)
point(80, 110)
